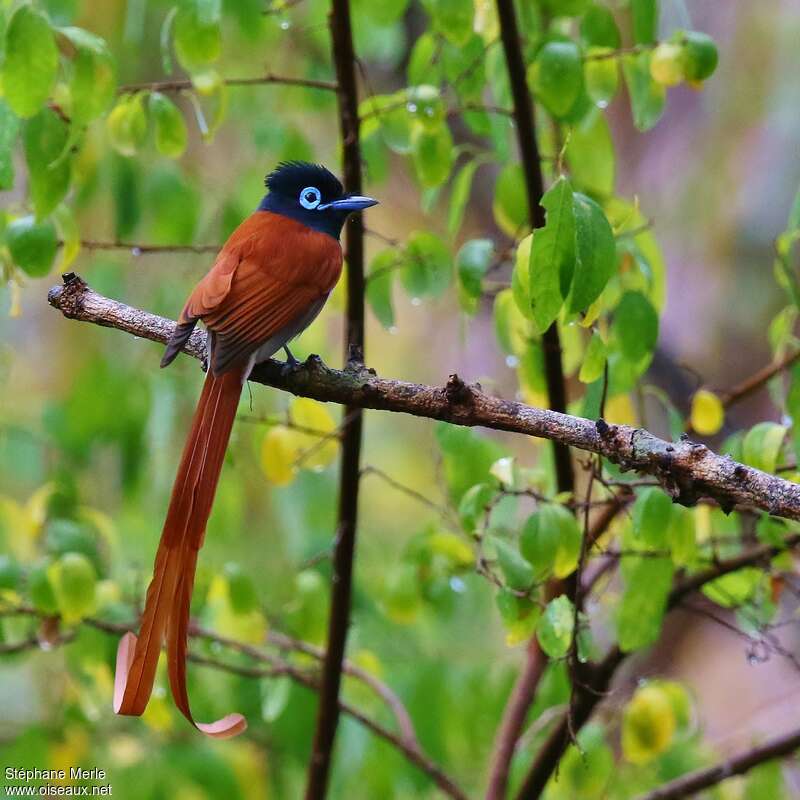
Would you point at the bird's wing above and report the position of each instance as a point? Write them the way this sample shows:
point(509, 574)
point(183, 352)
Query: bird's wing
point(268, 276)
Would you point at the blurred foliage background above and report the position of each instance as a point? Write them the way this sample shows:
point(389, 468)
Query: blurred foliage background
point(697, 183)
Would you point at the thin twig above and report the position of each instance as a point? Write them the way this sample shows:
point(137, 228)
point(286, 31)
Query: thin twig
point(601, 674)
point(138, 249)
point(406, 742)
point(700, 779)
point(525, 688)
point(184, 84)
point(686, 470)
point(319, 764)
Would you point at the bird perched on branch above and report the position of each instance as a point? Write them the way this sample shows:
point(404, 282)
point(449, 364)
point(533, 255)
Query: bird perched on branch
point(268, 283)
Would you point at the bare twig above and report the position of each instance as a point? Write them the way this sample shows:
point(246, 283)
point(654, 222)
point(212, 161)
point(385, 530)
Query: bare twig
point(184, 84)
point(406, 743)
point(599, 676)
point(687, 471)
point(522, 695)
point(319, 764)
point(138, 249)
point(383, 691)
point(700, 779)
point(758, 379)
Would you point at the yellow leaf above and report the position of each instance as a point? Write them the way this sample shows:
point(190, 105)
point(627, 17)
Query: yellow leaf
point(648, 724)
point(619, 410)
point(279, 451)
point(317, 451)
point(707, 414)
point(453, 547)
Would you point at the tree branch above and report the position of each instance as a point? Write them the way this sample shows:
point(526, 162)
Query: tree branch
point(183, 84)
point(344, 59)
point(408, 746)
point(687, 471)
point(525, 688)
point(693, 782)
point(148, 249)
point(596, 679)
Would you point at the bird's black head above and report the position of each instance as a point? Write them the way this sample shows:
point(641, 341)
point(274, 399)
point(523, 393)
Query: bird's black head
point(312, 195)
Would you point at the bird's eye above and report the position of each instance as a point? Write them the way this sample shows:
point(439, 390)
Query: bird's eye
point(310, 197)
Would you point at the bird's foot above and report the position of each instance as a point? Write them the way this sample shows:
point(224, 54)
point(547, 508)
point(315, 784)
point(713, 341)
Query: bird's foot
point(291, 364)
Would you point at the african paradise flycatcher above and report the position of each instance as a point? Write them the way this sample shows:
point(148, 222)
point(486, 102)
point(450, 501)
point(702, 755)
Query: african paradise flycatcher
point(268, 283)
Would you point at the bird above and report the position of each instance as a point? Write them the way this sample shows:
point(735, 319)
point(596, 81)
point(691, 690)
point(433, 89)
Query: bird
point(268, 283)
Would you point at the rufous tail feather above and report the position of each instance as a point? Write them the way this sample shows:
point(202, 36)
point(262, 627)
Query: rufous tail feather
point(166, 611)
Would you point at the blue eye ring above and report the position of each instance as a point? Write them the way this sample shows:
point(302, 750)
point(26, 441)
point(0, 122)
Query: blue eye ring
point(310, 197)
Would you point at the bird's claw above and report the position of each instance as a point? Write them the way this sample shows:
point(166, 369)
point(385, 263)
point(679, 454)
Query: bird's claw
point(291, 364)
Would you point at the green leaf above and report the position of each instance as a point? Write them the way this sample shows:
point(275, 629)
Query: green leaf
point(601, 76)
point(551, 541)
point(700, 56)
point(241, 589)
point(510, 205)
point(31, 61)
point(32, 245)
point(644, 15)
point(599, 28)
point(647, 96)
point(651, 518)
point(472, 262)
point(517, 571)
point(170, 126)
point(596, 253)
point(127, 125)
point(594, 360)
point(521, 277)
point(473, 505)
point(379, 285)
point(586, 769)
point(553, 254)
point(511, 327)
point(734, 589)
point(765, 780)
point(40, 589)
point(94, 81)
point(428, 265)
point(9, 128)
point(198, 39)
point(74, 581)
point(423, 64)
point(554, 631)
point(45, 136)
point(644, 601)
point(393, 117)
point(762, 445)
point(459, 196)
point(467, 457)
point(453, 19)
point(635, 326)
point(590, 154)
point(432, 153)
point(556, 76)
point(464, 68)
